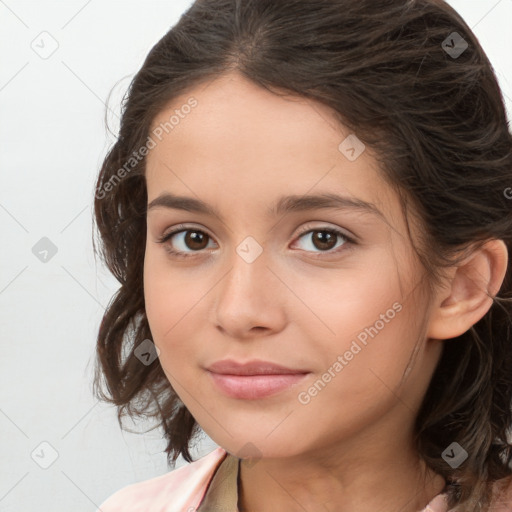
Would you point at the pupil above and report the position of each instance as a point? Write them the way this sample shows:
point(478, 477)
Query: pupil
point(319, 237)
point(192, 238)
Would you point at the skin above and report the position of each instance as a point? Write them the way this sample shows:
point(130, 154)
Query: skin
point(298, 304)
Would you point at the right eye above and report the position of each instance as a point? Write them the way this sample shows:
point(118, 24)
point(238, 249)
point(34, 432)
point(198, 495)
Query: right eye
point(191, 238)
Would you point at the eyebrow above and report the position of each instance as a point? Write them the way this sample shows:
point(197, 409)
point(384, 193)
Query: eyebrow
point(285, 204)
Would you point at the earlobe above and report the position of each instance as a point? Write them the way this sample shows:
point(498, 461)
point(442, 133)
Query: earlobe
point(466, 298)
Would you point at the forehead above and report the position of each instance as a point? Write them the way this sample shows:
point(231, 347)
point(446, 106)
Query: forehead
point(252, 145)
point(236, 112)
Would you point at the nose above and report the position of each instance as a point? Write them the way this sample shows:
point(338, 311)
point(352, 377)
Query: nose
point(250, 299)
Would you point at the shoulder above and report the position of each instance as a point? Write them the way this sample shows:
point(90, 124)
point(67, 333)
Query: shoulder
point(180, 490)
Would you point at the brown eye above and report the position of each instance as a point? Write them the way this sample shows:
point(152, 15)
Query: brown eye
point(195, 240)
point(324, 240)
point(184, 242)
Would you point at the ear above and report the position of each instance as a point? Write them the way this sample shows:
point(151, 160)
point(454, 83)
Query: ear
point(466, 296)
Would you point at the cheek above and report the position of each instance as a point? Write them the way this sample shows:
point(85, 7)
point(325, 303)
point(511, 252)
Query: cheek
point(344, 302)
point(366, 318)
point(174, 301)
point(167, 293)
point(156, 295)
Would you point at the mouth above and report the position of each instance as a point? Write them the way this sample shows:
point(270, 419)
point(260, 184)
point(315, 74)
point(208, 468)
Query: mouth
point(253, 380)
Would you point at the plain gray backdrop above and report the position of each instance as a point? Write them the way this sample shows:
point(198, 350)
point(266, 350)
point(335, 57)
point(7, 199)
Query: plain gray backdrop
point(60, 449)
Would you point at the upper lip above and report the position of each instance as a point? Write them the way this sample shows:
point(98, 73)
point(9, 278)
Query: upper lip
point(254, 367)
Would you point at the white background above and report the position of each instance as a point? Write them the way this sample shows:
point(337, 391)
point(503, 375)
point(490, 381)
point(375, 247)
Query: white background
point(52, 142)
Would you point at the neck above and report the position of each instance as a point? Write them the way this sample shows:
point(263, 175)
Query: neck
point(393, 482)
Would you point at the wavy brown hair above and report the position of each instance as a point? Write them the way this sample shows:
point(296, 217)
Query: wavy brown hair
point(436, 120)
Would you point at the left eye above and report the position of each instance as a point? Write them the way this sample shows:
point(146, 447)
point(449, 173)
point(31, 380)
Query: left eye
point(324, 240)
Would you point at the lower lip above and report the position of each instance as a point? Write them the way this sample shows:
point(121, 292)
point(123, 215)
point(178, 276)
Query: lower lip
point(252, 387)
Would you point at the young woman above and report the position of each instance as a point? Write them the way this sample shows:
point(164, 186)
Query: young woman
point(309, 211)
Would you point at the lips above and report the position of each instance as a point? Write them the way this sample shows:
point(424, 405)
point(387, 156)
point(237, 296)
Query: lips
point(255, 367)
point(253, 380)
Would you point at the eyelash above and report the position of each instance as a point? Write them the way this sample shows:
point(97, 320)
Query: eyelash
point(179, 254)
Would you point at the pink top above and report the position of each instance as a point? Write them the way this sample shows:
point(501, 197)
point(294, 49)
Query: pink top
point(186, 488)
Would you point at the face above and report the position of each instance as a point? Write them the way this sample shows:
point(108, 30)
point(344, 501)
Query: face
point(329, 289)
